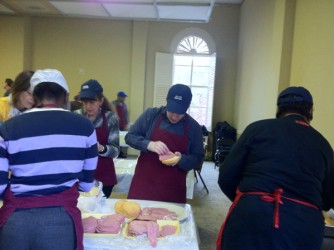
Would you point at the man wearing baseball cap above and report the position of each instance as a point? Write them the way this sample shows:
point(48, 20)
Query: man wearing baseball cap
point(159, 133)
point(123, 116)
point(51, 154)
point(279, 175)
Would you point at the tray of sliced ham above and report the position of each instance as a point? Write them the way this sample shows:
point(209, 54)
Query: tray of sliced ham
point(101, 225)
point(153, 230)
point(164, 212)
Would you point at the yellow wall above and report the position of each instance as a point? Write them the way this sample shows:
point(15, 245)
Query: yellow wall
point(313, 59)
point(85, 49)
point(11, 47)
point(260, 54)
point(119, 54)
point(279, 43)
point(285, 43)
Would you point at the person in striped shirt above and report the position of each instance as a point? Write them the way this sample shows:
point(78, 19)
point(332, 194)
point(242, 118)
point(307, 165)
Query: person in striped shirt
point(51, 154)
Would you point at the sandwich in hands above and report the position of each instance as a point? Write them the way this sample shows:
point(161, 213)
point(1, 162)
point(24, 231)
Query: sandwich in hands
point(170, 158)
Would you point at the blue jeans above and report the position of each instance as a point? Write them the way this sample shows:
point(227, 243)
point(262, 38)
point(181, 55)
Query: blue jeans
point(38, 229)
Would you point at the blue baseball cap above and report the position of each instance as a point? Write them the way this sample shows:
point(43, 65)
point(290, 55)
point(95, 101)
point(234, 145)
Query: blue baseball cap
point(179, 98)
point(122, 94)
point(90, 89)
point(294, 94)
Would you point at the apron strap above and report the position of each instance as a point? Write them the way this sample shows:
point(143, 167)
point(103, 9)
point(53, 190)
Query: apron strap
point(275, 197)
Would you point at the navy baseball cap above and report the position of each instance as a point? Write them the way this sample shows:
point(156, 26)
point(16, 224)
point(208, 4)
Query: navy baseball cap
point(178, 99)
point(90, 89)
point(294, 94)
point(122, 94)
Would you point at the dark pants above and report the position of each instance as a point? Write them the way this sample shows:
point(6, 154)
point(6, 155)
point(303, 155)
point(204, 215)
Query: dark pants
point(48, 228)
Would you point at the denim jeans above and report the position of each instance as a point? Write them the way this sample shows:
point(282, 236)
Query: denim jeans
point(38, 229)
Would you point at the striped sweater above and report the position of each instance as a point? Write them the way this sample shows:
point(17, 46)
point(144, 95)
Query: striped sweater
point(47, 151)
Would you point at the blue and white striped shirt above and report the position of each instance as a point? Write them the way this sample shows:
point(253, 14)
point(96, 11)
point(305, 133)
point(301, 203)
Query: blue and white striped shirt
point(47, 151)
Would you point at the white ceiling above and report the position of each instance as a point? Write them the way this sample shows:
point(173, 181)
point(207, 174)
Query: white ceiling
point(159, 10)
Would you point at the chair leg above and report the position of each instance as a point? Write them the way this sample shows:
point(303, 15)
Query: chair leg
point(195, 175)
point(200, 176)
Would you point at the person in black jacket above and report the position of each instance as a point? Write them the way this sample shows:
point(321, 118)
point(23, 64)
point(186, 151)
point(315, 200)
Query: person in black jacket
point(279, 175)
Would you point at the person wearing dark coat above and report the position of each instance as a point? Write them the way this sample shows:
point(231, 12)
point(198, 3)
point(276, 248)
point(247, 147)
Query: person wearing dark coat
point(158, 132)
point(279, 175)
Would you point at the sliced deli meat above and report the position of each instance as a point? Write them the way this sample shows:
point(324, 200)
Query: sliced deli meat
point(89, 224)
point(110, 224)
point(155, 213)
point(152, 229)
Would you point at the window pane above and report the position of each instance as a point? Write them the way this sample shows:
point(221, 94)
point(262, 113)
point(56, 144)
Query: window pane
point(182, 74)
point(183, 60)
point(201, 76)
point(193, 45)
point(199, 114)
point(200, 97)
point(201, 61)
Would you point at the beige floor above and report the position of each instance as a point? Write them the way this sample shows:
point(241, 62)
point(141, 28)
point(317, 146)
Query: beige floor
point(209, 208)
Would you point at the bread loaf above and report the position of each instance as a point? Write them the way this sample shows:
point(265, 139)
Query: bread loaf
point(170, 159)
point(129, 209)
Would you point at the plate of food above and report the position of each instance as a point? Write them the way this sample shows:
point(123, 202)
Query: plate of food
point(153, 230)
point(162, 211)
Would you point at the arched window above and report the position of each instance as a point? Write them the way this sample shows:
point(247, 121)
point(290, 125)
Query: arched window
point(192, 45)
point(192, 62)
point(194, 66)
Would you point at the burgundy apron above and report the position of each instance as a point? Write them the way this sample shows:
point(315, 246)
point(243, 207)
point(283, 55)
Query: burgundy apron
point(155, 181)
point(67, 199)
point(105, 170)
point(121, 115)
point(276, 197)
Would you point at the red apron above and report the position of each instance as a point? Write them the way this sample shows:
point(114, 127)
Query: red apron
point(121, 115)
point(155, 181)
point(67, 199)
point(105, 170)
point(275, 197)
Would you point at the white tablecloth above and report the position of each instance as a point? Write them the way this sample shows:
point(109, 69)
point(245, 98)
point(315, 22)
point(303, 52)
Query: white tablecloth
point(122, 135)
point(187, 240)
point(125, 169)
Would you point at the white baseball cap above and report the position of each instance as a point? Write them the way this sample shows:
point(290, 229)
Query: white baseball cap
point(48, 75)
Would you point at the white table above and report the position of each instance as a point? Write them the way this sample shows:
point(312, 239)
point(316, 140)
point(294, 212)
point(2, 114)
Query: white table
point(122, 135)
point(125, 169)
point(186, 240)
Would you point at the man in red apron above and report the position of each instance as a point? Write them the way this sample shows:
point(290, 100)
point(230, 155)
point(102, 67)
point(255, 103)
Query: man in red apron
point(122, 110)
point(279, 176)
point(159, 131)
point(123, 117)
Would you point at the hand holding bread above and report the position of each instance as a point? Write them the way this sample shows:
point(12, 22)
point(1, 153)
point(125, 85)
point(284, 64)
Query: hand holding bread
point(158, 147)
point(170, 159)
